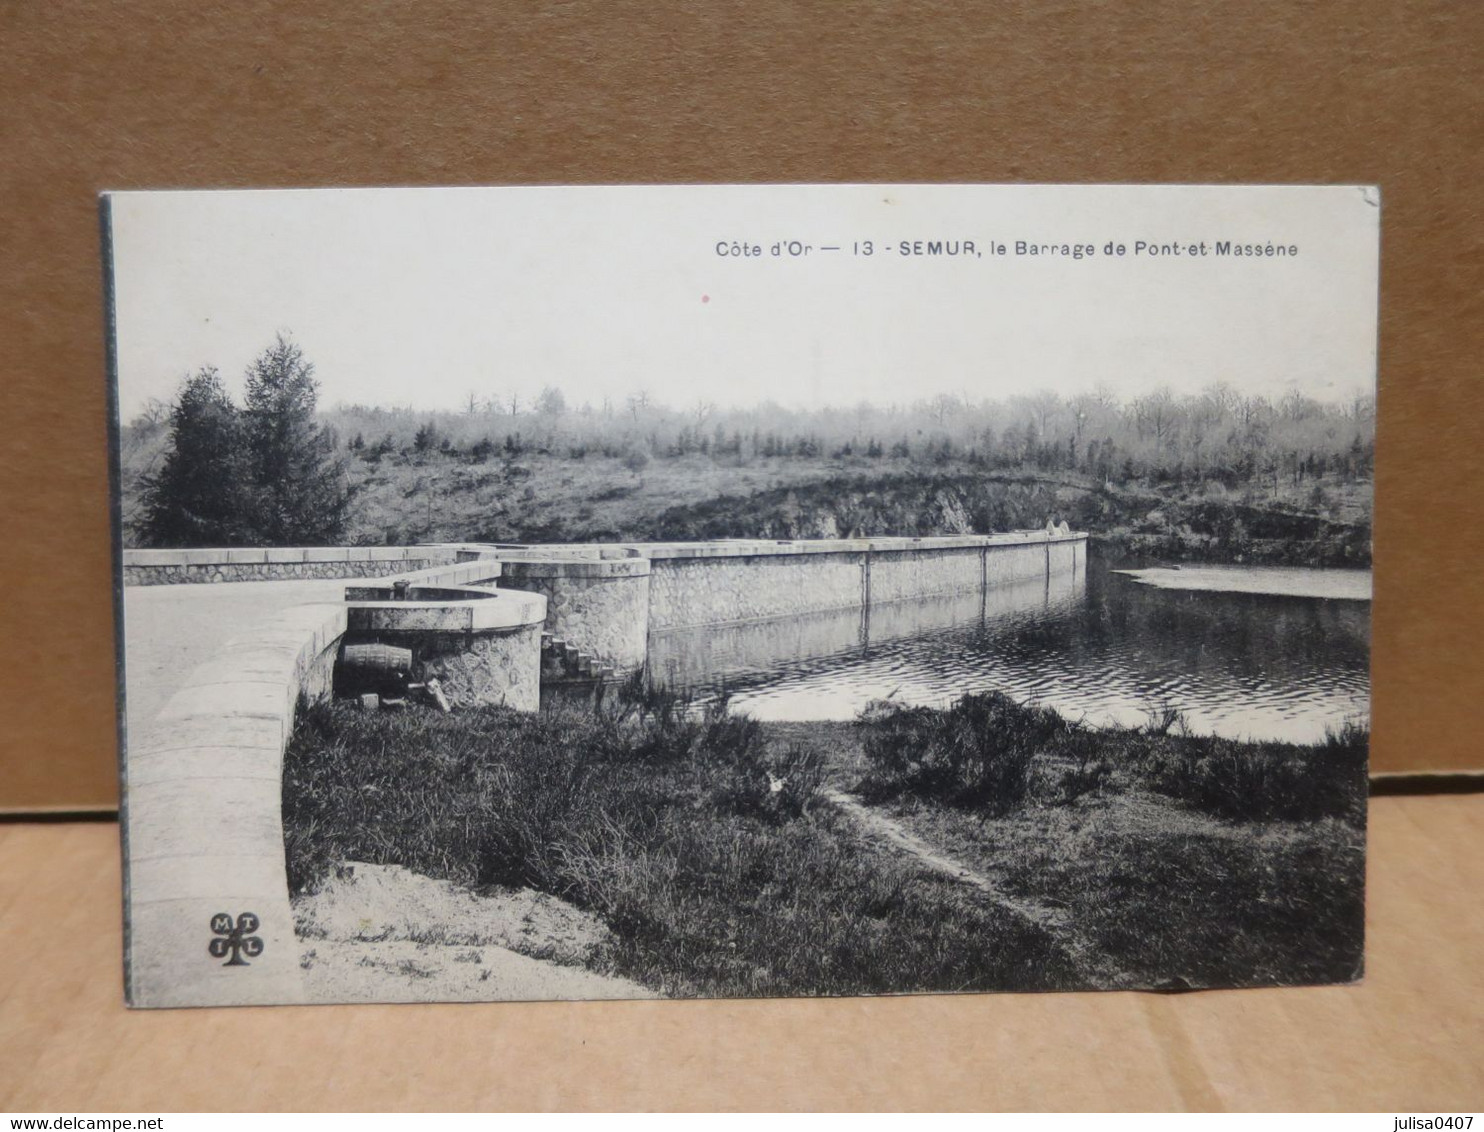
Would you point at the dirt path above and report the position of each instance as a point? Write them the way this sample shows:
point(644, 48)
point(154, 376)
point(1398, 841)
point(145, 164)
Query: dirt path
point(892, 832)
point(1054, 919)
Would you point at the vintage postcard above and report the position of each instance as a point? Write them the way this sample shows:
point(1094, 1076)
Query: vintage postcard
point(553, 593)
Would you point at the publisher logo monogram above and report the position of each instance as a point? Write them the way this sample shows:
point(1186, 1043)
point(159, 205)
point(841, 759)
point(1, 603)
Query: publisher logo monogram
point(235, 940)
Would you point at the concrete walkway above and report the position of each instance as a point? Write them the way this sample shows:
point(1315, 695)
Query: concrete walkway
point(172, 630)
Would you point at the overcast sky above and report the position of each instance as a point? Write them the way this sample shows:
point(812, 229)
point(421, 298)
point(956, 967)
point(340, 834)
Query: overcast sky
point(416, 296)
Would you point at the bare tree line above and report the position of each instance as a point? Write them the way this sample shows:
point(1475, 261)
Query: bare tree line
point(1219, 431)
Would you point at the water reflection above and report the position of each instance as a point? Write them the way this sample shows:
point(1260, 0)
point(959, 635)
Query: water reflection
point(1093, 644)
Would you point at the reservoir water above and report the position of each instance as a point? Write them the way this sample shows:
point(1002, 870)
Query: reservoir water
point(1241, 652)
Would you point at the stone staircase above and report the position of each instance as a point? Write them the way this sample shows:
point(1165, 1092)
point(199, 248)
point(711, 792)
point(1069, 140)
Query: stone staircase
point(562, 660)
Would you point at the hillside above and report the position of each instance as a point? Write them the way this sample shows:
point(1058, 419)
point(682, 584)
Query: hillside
point(452, 495)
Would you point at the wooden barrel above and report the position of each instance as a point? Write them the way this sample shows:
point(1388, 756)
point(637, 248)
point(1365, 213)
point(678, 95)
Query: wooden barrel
point(375, 660)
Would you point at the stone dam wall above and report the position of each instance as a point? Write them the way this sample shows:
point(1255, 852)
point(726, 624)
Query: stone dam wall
point(611, 602)
point(602, 607)
point(761, 583)
point(705, 655)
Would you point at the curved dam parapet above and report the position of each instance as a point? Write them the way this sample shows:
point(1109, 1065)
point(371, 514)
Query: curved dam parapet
point(201, 805)
point(481, 618)
point(481, 643)
point(202, 775)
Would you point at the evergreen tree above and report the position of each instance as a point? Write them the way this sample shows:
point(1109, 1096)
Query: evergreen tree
point(201, 495)
point(300, 494)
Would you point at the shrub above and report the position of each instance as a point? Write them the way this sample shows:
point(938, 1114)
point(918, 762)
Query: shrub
point(977, 753)
point(897, 745)
point(665, 729)
point(1264, 781)
point(774, 786)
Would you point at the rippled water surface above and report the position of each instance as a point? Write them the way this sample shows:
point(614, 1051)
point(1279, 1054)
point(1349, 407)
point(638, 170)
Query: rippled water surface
point(1102, 645)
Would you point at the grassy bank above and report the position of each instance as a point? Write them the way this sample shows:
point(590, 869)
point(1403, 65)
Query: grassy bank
point(1325, 524)
point(712, 882)
point(1161, 858)
point(542, 498)
point(712, 847)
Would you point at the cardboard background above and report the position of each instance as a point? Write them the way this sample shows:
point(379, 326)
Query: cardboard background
point(166, 94)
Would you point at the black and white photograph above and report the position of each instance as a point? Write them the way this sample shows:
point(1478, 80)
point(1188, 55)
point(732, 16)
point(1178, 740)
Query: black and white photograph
point(741, 591)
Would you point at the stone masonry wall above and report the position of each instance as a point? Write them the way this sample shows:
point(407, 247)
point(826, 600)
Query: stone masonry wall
point(172, 567)
point(500, 668)
point(605, 616)
point(709, 652)
point(696, 591)
point(268, 571)
point(1015, 563)
point(710, 591)
point(911, 574)
point(1064, 556)
point(204, 781)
